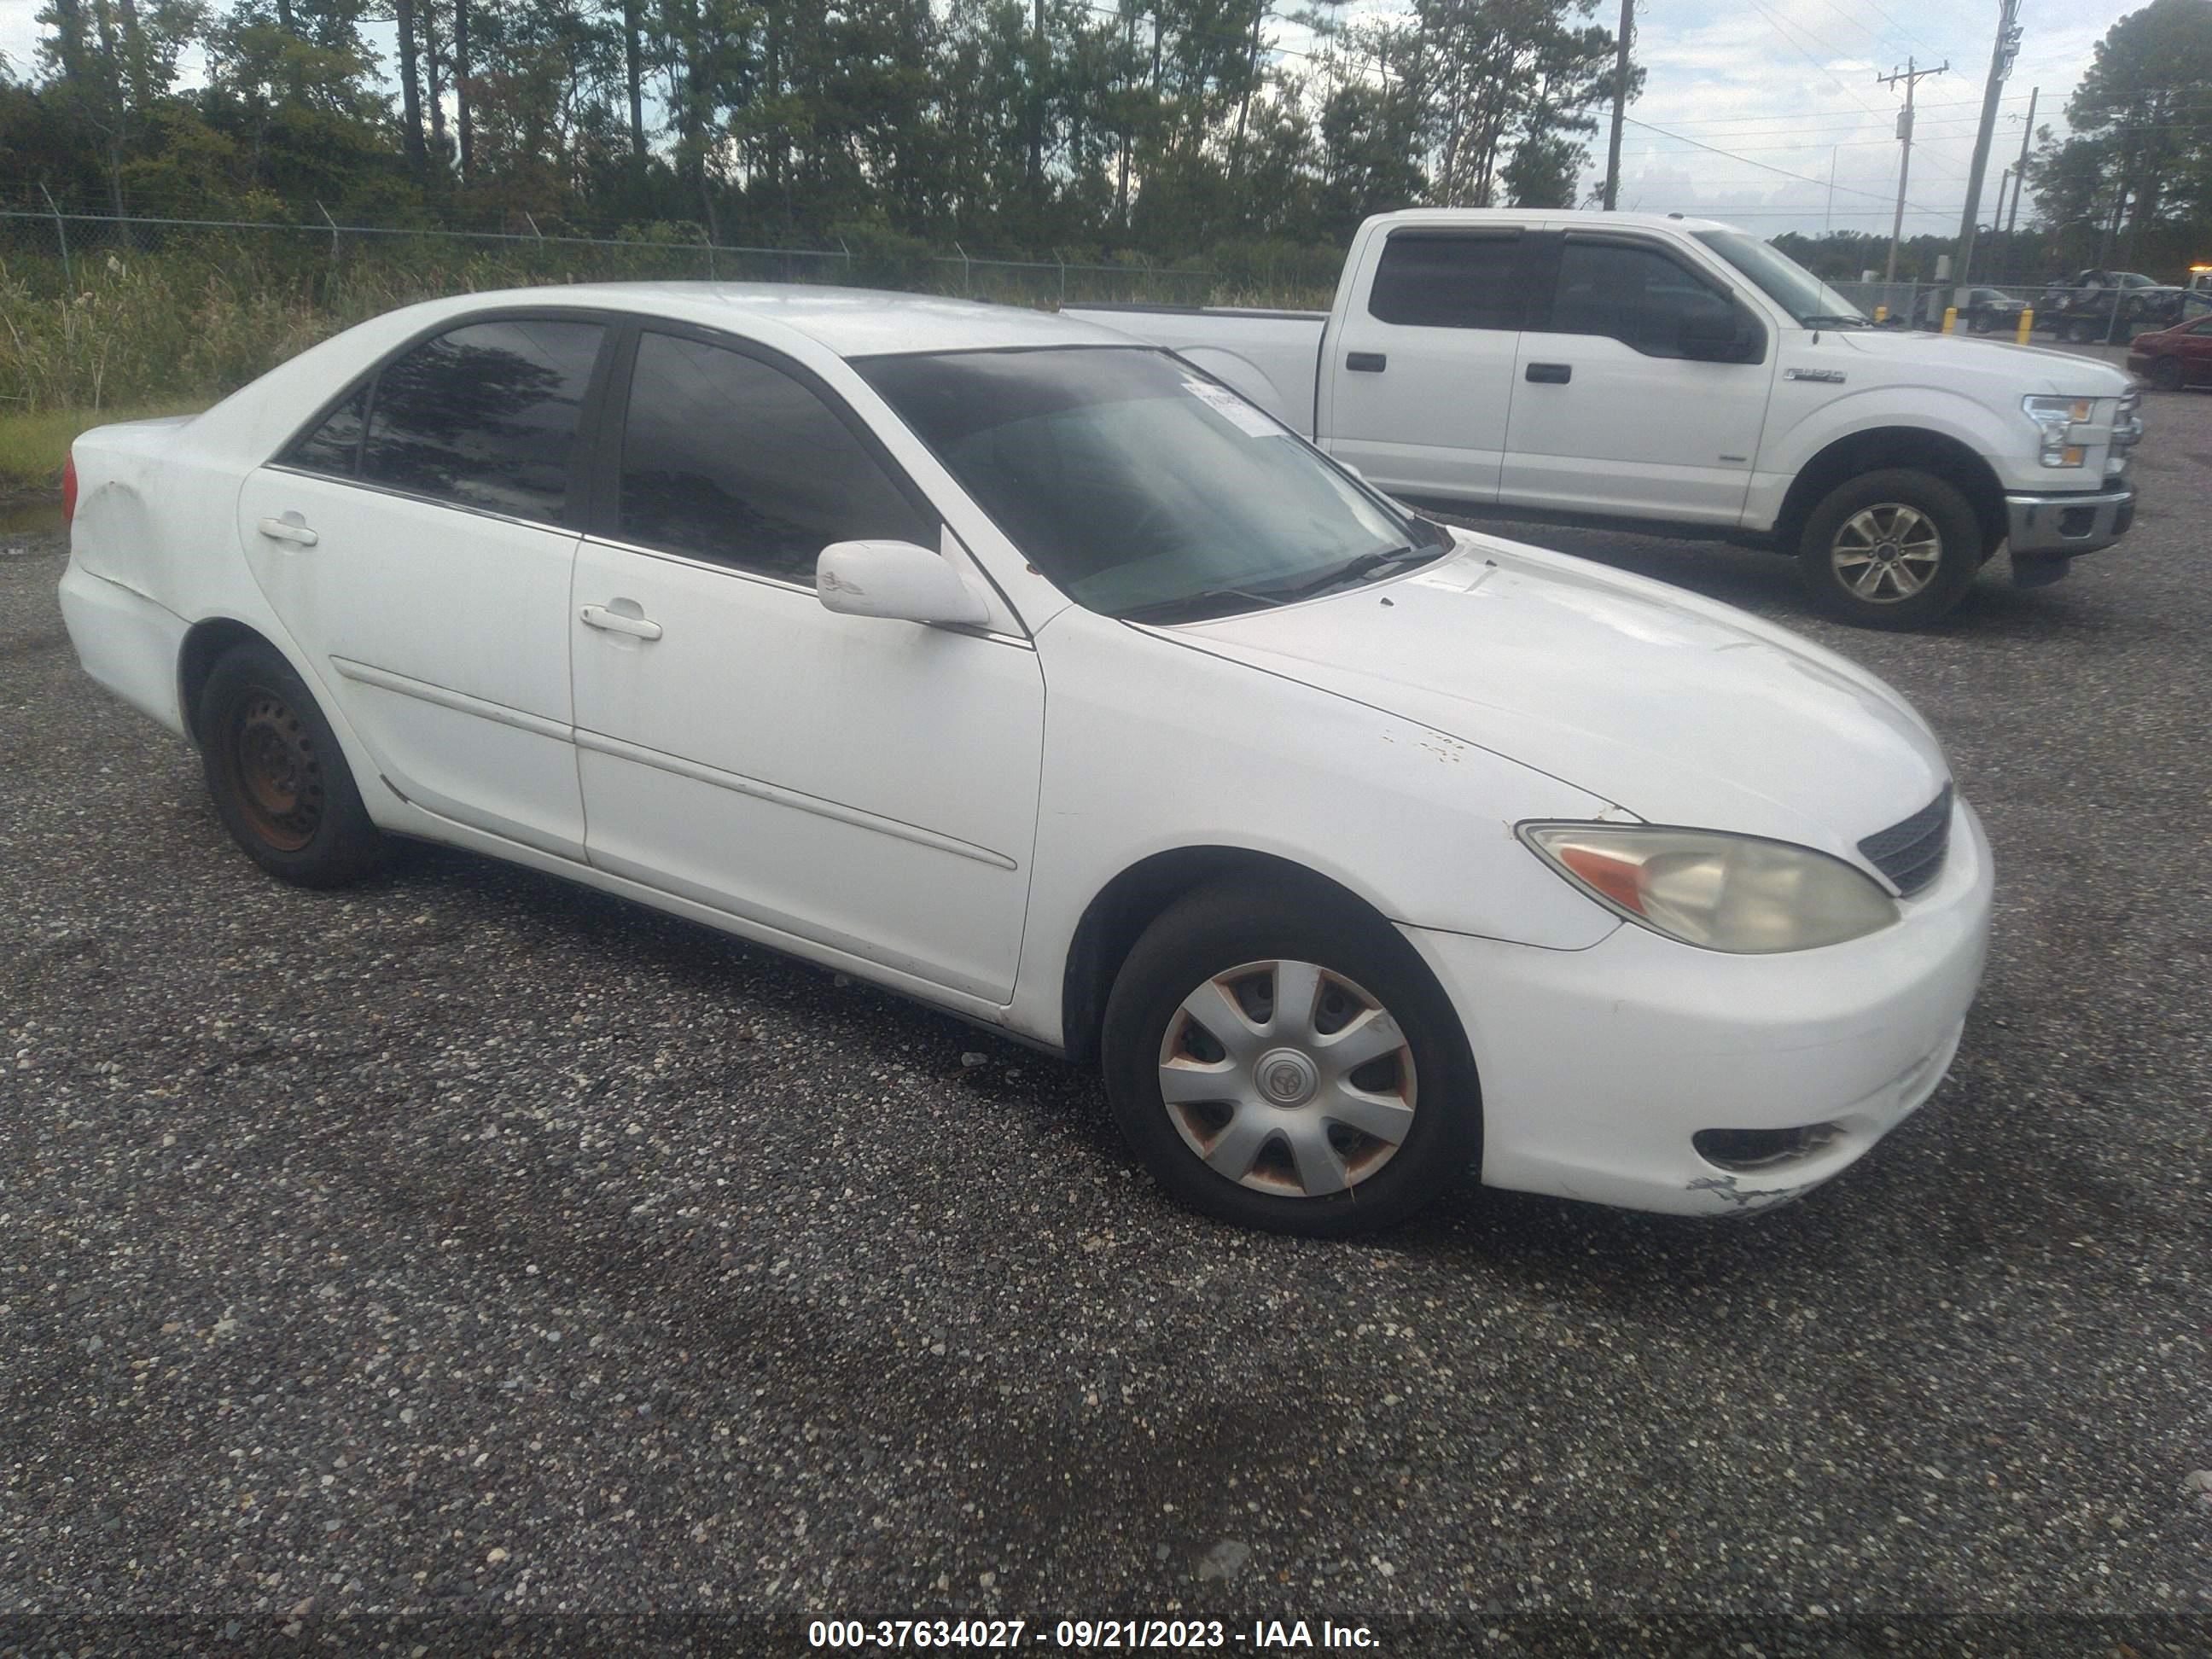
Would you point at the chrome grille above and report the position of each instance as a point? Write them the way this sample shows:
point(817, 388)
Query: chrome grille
point(1911, 852)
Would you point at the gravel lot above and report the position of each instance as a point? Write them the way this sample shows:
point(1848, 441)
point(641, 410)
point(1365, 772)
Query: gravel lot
point(473, 1245)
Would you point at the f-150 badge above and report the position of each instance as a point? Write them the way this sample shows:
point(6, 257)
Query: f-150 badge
point(1830, 376)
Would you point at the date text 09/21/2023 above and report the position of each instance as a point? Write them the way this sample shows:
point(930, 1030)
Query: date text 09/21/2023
point(1127, 1634)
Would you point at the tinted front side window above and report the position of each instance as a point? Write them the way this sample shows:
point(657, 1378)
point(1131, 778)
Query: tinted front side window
point(335, 445)
point(1445, 279)
point(727, 459)
point(1629, 294)
point(485, 416)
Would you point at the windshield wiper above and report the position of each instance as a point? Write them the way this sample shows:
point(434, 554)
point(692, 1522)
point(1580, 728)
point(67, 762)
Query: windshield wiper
point(1359, 568)
point(1827, 319)
point(1166, 610)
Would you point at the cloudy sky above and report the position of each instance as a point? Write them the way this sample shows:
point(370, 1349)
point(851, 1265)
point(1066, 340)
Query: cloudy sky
point(1783, 87)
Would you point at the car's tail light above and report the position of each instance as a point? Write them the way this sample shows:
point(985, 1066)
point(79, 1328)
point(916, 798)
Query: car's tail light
point(69, 492)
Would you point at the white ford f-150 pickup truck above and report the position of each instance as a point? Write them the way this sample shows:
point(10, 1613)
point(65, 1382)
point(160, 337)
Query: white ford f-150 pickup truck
point(1681, 375)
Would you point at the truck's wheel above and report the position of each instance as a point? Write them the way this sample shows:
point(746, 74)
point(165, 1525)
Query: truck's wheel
point(1893, 548)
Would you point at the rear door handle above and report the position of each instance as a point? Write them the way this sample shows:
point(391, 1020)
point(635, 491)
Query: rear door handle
point(1365, 363)
point(288, 529)
point(1550, 374)
point(613, 622)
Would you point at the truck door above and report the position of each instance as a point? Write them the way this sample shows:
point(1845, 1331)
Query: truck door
point(1416, 376)
point(1614, 411)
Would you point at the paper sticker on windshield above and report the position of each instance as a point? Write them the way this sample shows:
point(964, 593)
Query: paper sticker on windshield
point(1233, 409)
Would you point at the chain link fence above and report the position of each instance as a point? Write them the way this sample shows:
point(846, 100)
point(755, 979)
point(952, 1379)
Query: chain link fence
point(99, 311)
point(325, 255)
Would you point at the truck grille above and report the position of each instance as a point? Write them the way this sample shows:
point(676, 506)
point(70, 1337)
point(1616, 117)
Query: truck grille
point(1911, 853)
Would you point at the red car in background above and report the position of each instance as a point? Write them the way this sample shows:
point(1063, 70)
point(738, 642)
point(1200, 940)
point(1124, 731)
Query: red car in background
point(2174, 357)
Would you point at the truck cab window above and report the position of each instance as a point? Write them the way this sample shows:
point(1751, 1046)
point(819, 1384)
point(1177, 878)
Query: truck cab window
point(1449, 279)
point(1636, 295)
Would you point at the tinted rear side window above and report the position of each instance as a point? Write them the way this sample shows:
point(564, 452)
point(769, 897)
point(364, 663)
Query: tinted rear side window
point(485, 416)
point(1448, 279)
point(335, 445)
point(728, 458)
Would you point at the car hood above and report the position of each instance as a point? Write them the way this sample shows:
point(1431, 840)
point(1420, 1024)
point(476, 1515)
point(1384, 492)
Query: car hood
point(1944, 359)
point(1674, 708)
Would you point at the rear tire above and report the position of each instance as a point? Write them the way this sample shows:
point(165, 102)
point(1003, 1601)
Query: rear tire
point(1891, 548)
point(280, 782)
point(1245, 987)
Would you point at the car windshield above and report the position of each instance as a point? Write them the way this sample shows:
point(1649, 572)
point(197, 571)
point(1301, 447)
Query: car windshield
point(1788, 283)
point(1139, 488)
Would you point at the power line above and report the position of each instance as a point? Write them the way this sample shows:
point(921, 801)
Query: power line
point(1767, 166)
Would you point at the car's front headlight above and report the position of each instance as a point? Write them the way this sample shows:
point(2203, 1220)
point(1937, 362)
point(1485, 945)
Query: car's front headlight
point(1721, 892)
point(2057, 418)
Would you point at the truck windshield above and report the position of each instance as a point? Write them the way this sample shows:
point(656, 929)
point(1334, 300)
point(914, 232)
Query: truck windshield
point(1788, 283)
point(1141, 488)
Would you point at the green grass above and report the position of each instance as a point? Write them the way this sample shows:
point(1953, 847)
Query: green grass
point(34, 447)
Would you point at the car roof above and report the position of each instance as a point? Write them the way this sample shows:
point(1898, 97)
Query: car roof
point(1553, 217)
point(852, 322)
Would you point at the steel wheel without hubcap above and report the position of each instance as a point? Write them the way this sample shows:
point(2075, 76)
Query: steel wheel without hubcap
point(1887, 553)
point(270, 755)
point(1287, 1078)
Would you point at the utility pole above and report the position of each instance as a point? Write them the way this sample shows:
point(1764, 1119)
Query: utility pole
point(1619, 103)
point(1911, 75)
point(1828, 214)
point(2001, 56)
point(2020, 174)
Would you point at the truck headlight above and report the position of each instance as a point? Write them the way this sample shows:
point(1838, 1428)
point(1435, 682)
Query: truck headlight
point(1740, 894)
point(2057, 418)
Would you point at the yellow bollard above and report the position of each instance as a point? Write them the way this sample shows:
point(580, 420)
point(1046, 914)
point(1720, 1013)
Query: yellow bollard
point(2027, 325)
point(1881, 313)
point(1950, 319)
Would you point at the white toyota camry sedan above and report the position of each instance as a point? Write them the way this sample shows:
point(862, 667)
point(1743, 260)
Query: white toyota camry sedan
point(1023, 669)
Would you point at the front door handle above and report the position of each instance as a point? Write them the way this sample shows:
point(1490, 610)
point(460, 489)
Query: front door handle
point(288, 529)
point(1550, 374)
point(1365, 363)
point(613, 622)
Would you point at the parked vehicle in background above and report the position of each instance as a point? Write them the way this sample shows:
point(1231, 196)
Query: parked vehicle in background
point(2174, 357)
point(1357, 851)
point(2105, 305)
point(1981, 310)
point(1681, 374)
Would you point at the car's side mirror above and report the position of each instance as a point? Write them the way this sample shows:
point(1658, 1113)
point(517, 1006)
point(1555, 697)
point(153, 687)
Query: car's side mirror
point(1713, 330)
point(902, 581)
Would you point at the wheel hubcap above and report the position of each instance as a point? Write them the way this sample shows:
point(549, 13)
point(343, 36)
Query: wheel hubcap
point(279, 779)
point(1287, 1078)
point(1887, 553)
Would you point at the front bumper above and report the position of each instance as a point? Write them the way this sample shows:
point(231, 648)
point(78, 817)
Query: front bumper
point(1598, 1068)
point(2042, 525)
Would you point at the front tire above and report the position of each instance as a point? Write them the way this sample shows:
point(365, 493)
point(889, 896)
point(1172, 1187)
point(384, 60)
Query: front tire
point(280, 782)
point(2166, 373)
point(1892, 548)
point(1281, 1058)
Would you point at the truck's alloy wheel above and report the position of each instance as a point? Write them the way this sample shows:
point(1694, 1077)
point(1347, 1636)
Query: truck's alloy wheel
point(1890, 548)
point(1285, 1059)
point(280, 782)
